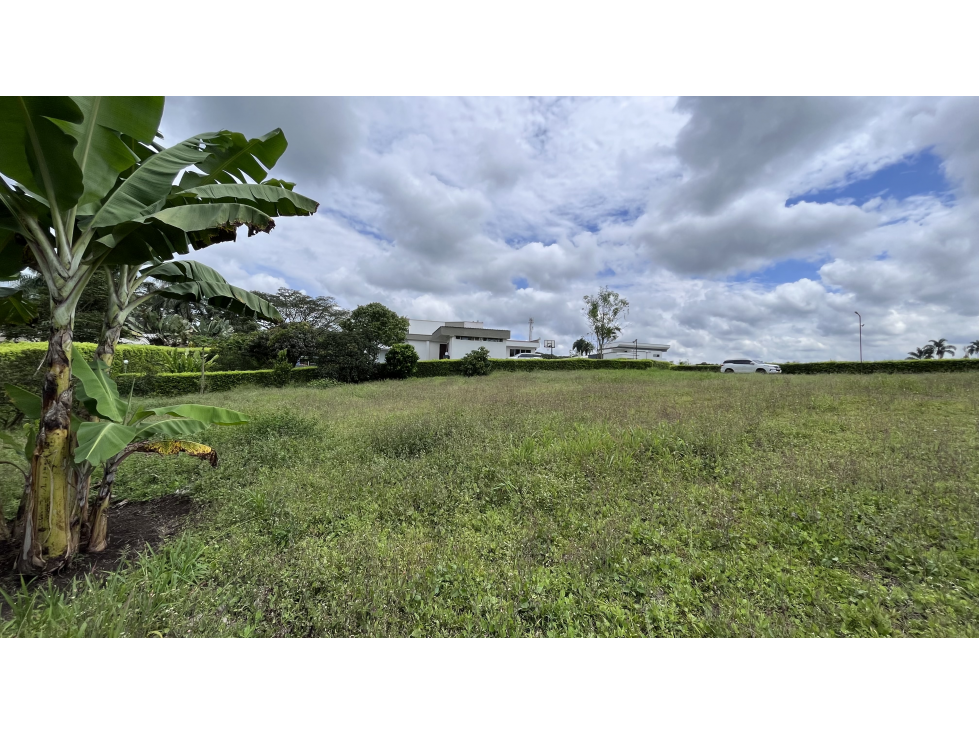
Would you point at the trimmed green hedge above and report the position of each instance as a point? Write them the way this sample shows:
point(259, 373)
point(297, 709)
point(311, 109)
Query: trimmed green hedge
point(19, 363)
point(447, 367)
point(866, 368)
point(166, 385)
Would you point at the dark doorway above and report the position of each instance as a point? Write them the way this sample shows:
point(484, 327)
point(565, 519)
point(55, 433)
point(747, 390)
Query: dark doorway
point(443, 351)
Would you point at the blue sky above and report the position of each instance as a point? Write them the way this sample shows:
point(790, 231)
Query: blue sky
point(733, 225)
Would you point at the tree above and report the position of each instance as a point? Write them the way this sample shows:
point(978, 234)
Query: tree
point(401, 360)
point(973, 349)
point(381, 325)
point(940, 348)
point(926, 352)
point(603, 312)
point(582, 347)
point(93, 192)
point(476, 363)
point(350, 355)
point(321, 312)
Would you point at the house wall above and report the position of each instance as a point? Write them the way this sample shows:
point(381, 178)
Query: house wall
point(459, 348)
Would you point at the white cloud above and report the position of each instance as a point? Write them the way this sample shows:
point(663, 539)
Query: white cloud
point(442, 207)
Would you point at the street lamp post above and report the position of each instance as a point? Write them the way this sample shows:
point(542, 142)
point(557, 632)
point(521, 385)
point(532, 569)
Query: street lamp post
point(861, 324)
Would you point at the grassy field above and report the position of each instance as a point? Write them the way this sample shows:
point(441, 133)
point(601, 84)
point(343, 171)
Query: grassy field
point(553, 504)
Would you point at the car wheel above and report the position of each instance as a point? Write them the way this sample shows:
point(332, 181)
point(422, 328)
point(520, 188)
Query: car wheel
point(761, 372)
point(729, 370)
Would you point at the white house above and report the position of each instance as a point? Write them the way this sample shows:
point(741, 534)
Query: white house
point(455, 339)
point(633, 350)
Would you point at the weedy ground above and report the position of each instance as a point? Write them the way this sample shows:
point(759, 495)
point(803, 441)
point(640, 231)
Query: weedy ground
point(555, 504)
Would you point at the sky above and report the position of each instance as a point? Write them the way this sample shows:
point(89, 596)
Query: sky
point(735, 226)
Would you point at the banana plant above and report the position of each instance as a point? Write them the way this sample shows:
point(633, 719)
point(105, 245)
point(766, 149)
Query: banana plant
point(23, 448)
point(86, 186)
point(116, 430)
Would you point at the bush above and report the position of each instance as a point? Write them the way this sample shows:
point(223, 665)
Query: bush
point(282, 369)
point(347, 356)
point(476, 363)
point(400, 360)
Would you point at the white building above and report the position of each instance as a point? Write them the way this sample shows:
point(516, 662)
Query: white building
point(455, 339)
point(633, 350)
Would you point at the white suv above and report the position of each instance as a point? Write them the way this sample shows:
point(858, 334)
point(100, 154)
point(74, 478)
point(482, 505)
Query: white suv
point(750, 365)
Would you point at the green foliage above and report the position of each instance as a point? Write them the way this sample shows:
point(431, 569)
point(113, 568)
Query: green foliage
point(604, 312)
point(166, 385)
point(867, 368)
point(377, 325)
point(347, 356)
point(401, 360)
point(282, 369)
point(260, 349)
point(476, 363)
point(321, 312)
point(582, 347)
point(186, 360)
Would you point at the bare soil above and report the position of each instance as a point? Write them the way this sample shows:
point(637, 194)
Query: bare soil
point(132, 526)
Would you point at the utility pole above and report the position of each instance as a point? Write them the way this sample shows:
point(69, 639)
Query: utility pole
point(530, 336)
point(636, 342)
point(860, 322)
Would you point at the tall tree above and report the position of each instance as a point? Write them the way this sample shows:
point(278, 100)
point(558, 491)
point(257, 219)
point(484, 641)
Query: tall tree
point(321, 312)
point(93, 191)
point(603, 312)
point(972, 349)
point(940, 348)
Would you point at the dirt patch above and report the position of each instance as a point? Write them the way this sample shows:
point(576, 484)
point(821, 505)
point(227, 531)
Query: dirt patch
point(132, 525)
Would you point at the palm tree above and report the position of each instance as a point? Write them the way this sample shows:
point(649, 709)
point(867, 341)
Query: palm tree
point(941, 347)
point(926, 352)
point(583, 347)
point(973, 349)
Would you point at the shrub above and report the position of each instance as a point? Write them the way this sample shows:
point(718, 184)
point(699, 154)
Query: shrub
point(347, 356)
point(400, 360)
point(282, 369)
point(476, 363)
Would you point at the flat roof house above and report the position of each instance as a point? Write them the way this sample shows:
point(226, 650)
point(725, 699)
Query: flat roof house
point(455, 339)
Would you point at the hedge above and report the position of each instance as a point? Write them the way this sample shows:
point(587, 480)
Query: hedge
point(447, 367)
point(896, 366)
point(184, 383)
point(19, 363)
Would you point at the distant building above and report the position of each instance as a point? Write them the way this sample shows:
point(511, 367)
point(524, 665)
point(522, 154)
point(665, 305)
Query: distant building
point(455, 339)
point(633, 350)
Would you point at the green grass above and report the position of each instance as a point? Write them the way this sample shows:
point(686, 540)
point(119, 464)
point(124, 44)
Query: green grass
point(556, 504)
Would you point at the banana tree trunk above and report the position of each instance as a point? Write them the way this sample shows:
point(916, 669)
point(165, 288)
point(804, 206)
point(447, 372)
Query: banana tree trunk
point(93, 534)
point(50, 528)
point(99, 539)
